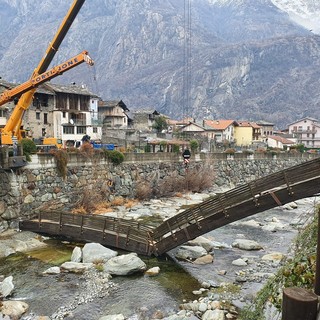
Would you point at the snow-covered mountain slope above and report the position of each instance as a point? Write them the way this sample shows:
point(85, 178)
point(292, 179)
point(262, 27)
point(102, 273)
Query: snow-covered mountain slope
point(303, 12)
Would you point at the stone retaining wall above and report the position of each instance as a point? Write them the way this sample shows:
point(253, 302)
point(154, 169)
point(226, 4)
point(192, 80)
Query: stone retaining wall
point(38, 185)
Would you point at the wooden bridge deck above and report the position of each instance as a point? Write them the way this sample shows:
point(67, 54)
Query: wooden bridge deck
point(279, 188)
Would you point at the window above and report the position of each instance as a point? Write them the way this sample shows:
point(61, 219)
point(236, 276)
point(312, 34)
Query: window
point(68, 129)
point(95, 130)
point(81, 130)
point(45, 118)
point(73, 102)
point(64, 114)
point(37, 115)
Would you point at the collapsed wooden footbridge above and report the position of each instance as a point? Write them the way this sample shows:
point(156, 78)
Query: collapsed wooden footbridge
point(277, 189)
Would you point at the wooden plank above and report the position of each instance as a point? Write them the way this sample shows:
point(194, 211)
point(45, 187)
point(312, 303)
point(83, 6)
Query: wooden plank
point(245, 200)
point(240, 211)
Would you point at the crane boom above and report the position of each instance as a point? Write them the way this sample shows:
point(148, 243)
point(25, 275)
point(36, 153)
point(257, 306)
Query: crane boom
point(59, 36)
point(9, 95)
point(12, 128)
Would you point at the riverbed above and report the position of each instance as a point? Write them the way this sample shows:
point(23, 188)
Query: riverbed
point(140, 297)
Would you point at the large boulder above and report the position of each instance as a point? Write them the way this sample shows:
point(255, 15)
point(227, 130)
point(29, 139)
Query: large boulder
point(6, 287)
point(202, 242)
point(245, 244)
point(125, 265)
point(76, 255)
point(14, 309)
point(95, 252)
point(190, 252)
point(75, 267)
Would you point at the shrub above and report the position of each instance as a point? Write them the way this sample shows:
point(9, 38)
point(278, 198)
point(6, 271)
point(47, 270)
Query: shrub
point(194, 145)
point(28, 147)
point(247, 152)
point(163, 145)
point(176, 148)
point(143, 190)
point(195, 180)
point(61, 157)
point(86, 149)
point(116, 157)
point(230, 151)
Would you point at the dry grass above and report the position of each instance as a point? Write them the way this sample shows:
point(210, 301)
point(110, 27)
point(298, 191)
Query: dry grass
point(118, 201)
point(196, 179)
point(143, 190)
point(178, 195)
point(131, 203)
point(93, 202)
point(87, 150)
point(79, 210)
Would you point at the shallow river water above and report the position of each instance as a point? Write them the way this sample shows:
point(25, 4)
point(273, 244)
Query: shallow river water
point(135, 296)
point(140, 296)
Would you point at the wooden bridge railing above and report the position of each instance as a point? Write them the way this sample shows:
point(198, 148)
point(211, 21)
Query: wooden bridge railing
point(121, 233)
point(251, 190)
point(262, 194)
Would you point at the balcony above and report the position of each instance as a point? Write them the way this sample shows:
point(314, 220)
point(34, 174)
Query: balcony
point(304, 131)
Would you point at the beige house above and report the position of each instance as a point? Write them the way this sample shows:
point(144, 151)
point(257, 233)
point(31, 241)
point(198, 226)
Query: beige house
point(223, 130)
point(279, 142)
point(6, 109)
point(192, 129)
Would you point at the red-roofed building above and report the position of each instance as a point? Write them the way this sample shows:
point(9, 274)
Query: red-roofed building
point(280, 142)
point(223, 129)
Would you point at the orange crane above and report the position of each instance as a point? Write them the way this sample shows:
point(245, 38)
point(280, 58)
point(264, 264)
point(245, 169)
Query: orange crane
point(11, 132)
point(10, 94)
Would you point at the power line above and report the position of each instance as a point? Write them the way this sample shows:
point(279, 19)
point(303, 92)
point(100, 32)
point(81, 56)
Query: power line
point(187, 59)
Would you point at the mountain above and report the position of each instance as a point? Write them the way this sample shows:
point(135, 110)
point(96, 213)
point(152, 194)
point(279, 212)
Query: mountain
point(240, 59)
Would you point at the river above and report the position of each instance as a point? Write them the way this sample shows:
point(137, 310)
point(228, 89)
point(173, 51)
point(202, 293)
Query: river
point(140, 296)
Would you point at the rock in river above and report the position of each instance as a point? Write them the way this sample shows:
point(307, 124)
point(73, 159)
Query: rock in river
point(124, 265)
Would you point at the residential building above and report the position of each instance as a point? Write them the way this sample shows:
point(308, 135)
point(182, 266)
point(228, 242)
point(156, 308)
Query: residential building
point(192, 129)
point(306, 131)
point(267, 128)
point(144, 119)
point(114, 114)
point(222, 130)
point(279, 142)
point(60, 111)
point(246, 133)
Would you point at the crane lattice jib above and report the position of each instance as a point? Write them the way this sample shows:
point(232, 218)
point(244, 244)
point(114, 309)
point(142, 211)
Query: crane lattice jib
point(13, 124)
point(60, 34)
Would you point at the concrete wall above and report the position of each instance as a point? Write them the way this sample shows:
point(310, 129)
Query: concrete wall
point(39, 186)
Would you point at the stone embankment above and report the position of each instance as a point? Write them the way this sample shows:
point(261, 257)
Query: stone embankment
point(39, 186)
